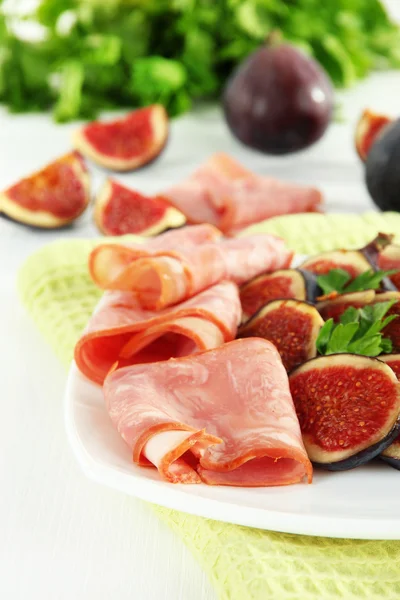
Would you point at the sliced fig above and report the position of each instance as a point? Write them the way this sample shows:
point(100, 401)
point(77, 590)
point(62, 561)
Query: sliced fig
point(393, 360)
point(348, 408)
point(391, 331)
point(285, 283)
point(127, 143)
point(389, 258)
point(372, 250)
point(368, 128)
point(119, 210)
point(352, 261)
point(391, 454)
point(291, 325)
point(334, 307)
point(52, 197)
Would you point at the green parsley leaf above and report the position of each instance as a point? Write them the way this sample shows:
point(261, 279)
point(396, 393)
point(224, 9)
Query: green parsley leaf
point(338, 280)
point(358, 332)
point(114, 43)
point(334, 281)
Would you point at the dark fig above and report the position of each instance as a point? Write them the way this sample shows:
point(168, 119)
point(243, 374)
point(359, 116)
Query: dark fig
point(348, 408)
point(291, 325)
point(352, 261)
point(333, 308)
point(286, 283)
point(278, 100)
point(389, 258)
point(382, 173)
point(369, 126)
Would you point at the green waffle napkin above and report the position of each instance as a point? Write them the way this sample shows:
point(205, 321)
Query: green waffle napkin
point(243, 563)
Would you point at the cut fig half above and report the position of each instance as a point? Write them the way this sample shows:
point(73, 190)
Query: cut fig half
point(119, 210)
point(391, 454)
point(368, 128)
point(389, 258)
point(125, 144)
point(352, 261)
point(50, 198)
point(348, 408)
point(291, 325)
point(333, 308)
point(285, 283)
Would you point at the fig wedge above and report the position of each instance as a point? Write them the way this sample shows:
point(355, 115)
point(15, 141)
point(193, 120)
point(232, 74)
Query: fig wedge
point(335, 306)
point(285, 283)
point(119, 210)
point(291, 325)
point(389, 258)
point(391, 454)
point(125, 144)
point(352, 261)
point(368, 128)
point(50, 198)
point(348, 408)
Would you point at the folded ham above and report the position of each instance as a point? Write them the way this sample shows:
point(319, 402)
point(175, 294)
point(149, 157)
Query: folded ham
point(163, 277)
point(224, 193)
point(224, 417)
point(108, 261)
point(120, 330)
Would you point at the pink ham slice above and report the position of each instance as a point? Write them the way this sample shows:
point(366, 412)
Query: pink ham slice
point(108, 261)
point(224, 417)
point(165, 277)
point(120, 330)
point(227, 195)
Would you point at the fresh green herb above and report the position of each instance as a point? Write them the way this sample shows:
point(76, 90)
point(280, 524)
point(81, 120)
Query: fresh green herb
point(339, 280)
point(359, 331)
point(97, 54)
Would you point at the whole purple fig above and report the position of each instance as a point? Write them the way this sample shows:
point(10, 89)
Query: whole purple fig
point(278, 100)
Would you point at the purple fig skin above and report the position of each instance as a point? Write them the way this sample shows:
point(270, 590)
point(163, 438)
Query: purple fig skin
point(278, 100)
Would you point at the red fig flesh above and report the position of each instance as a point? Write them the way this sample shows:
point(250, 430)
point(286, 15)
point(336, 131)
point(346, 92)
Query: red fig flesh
point(120, 210)
point(125, 144)
point(334, 308)
point(291, 325)
point(368, 128)
point(286, 283)
point(50, 198)
point(348, 408)
point(352, 261)
point(389, 259)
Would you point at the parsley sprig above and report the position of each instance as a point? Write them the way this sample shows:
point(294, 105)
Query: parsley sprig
point(358, 332)
point(339, 280)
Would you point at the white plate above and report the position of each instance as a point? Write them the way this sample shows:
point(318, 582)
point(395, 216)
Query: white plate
point(363, 503)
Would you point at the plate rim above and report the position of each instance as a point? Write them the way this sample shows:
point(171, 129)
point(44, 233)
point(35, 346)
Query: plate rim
point(173, 496)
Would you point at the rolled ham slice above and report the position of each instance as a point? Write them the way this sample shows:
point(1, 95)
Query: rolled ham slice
point(224, 417)
point(162, 278)
point(227, 195)
point(108, 261)
point(122, 331)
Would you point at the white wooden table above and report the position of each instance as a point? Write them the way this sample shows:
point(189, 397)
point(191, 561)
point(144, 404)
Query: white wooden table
point(62, 537)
